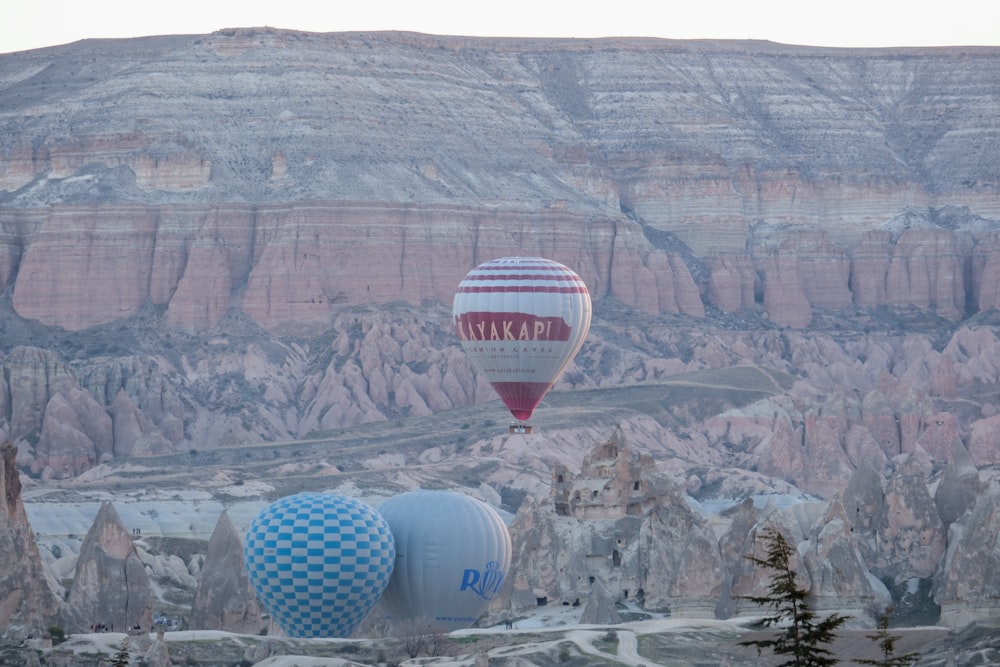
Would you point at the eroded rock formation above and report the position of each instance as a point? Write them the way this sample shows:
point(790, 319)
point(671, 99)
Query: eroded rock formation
point(27, 604)
point(912, 536)
point(225, 600)
point(618, 526)
point(254, 236)
point(110, 584)
point(969, 590)
point(337, 201)
point(203, 246)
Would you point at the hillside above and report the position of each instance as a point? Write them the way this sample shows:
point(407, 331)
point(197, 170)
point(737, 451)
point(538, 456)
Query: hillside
point(227, 264)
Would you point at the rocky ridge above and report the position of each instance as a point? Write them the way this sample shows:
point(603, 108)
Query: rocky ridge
point(622, 530)
point(262, 189)
point(620, 527)
point(277, 172)
point(212, 244)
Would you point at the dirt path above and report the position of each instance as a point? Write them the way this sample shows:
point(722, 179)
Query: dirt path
point(628, 649)
point(628, 646)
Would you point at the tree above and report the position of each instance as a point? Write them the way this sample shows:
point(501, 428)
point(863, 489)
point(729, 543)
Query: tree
point(57, 634)
point(803, 638)
point(121, 658)
point(887, 644)
point(420, 636)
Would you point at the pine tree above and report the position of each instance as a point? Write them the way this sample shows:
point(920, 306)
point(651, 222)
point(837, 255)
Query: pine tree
point(887, 644)
point(121, 658)
point(804, 638)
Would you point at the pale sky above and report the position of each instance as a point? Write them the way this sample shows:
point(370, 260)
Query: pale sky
point(28, 24)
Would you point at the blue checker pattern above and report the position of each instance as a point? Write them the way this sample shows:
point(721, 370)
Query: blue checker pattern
point(319, 562)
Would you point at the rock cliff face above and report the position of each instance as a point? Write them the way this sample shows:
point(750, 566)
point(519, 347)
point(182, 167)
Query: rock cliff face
point(110, 584)
point(27, 604)
point(156, 193)
point(225, 600)
point(968, 592)
point(617, 527)
point(290, 174)
point(255, 236)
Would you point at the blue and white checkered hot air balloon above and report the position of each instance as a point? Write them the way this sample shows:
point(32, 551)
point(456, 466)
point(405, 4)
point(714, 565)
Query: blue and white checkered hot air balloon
point(319, 562)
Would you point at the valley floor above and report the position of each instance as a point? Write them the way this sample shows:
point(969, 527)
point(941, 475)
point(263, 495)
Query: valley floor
point(547, 637)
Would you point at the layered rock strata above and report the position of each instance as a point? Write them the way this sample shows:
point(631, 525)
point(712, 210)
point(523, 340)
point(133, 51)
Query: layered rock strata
point(291, 174)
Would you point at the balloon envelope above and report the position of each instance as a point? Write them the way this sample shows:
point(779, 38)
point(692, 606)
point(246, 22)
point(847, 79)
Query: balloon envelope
point(319, 562)
point(521, 320)
point(452, 556)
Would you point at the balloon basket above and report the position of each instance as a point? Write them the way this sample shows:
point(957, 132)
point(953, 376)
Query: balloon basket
point(521, 427)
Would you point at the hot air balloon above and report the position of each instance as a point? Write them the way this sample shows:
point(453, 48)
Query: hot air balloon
point(319, 562)
point(521, 320)
point(452, 556)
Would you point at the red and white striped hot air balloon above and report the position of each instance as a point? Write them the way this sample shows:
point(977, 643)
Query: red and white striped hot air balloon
point(521, 320)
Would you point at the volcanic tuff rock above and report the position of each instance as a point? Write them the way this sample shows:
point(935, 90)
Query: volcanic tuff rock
point(739, 540)
point(839, 576)
point(968, 591)
point(225, 600)
point(823, 561)
point(27, 604)
point(910, 524)
point(290, 174)
point(110, 585)
point(84, 416)
point(187, 203)
point(254, 235)
point(617, 525)
point(600, 606)
point(959, 487)
point(865, 497)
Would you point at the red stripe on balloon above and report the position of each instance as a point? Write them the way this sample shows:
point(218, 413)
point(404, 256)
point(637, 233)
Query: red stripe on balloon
point(479, 274)
point(540, 289)
point(521, 398)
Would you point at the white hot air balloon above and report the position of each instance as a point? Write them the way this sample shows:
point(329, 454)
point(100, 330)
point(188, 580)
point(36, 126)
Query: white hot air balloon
point(521, 320)
point(452, 556)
